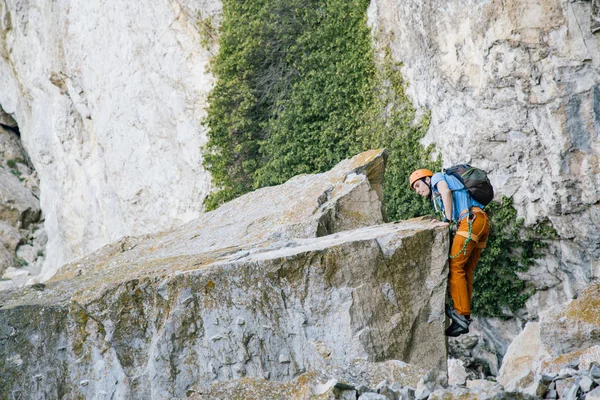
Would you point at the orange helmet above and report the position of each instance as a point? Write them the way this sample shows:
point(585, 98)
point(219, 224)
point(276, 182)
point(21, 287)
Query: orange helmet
point(419, 174)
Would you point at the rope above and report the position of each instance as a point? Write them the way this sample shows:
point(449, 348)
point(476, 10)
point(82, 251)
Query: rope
point(464, 249)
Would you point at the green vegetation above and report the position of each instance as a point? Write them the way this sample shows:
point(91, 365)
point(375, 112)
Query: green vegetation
point(19, 262)
point(511, 248)
point(12, 164)
point(300, 88)
point(208, 30)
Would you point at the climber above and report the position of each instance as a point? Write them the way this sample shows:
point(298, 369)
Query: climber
point(464, 215)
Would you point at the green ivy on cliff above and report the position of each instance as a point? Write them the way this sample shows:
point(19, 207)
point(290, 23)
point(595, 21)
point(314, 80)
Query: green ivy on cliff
point(511, 248)
point(300, 88)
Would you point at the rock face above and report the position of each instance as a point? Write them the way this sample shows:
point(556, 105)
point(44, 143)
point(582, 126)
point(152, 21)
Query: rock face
point(561, 353)
point(109, 99)
point(22, 237)
point(522, 360)
point(574, 328)
point(514, 87)
point(270, 296)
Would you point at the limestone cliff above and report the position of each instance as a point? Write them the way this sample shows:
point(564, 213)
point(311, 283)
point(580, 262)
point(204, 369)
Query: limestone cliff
point(108, 98)
point(514, 88)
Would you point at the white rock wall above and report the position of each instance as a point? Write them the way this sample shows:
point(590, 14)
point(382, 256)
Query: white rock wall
point(109, 98)
point(514, 87)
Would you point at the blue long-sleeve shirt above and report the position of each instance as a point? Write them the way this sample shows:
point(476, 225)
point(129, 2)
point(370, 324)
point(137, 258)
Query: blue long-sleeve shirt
point(461, 199)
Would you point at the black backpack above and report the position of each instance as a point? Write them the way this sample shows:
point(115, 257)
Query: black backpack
point(474, 180)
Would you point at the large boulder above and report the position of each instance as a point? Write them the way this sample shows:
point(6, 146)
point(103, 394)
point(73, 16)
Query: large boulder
point(283, 281)
point(523, 358)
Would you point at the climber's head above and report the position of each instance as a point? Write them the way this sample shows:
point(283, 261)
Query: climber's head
point(420, 182)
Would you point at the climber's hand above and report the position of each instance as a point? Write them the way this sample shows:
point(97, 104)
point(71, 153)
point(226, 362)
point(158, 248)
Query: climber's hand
point(437, 223)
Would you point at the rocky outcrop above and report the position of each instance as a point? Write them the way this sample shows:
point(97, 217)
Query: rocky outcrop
point(521, 362)
point(306, 279)
point(109, 99)
point(560, 355)
point(22, 237)
point(514, 87)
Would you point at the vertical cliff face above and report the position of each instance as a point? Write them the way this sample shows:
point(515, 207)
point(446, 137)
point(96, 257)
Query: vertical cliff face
point(109, 99)
point(514, 87)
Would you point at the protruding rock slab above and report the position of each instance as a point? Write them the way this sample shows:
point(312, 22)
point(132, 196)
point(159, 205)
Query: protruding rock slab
point(268, 313)
point(247, 291)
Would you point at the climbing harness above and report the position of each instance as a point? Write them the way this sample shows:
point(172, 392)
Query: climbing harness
point(470, 219)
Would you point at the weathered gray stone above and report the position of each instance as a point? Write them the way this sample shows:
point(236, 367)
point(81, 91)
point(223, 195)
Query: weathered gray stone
point(595, 371)
point(586, 383)
point(551, 394)
point(522, 360)
point(570, 393)
point(426, 386)
point(406, 393)
point(10, 146)
point(10, 237)
point(513, 88)
point(365, 389)
point(6, 260)
point(12, 273)
point(574, 327)
point(384, 389)
point(477, 394)
point(481, 384)
point(372, 396)
point(153, 316)
point(6, 119)
point(109, 98)
point(566, 387)
point(18, 207)
point(457, 375)
point(347, 395)
point(27, 253)
point(593, 395)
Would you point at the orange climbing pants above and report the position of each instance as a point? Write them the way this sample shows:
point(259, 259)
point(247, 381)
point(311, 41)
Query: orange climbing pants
point(463, 265)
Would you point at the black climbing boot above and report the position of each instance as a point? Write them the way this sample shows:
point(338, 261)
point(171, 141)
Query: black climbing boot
point(455, 330)
point(458, 321)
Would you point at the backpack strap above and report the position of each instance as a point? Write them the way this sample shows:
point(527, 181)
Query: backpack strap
point(463, 189)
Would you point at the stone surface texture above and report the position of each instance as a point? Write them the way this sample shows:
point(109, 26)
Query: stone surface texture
point(562, 349)
point(317, 385)
point(575, 327)
point(522, 359)
point(306, 279)
point(457, 375)
point(108, 97)
point(22, 236)
point(514, 88)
